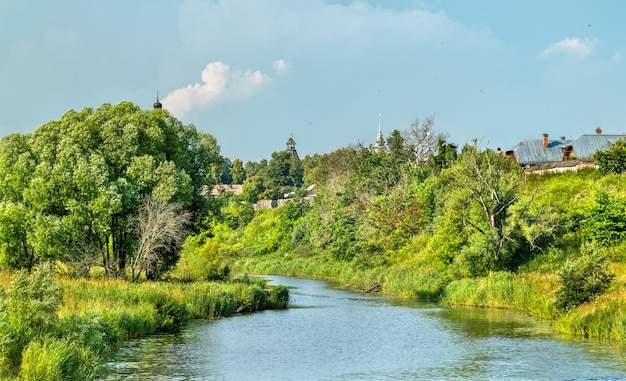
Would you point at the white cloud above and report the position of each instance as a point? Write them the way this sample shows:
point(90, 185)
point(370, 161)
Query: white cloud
point(281, 66)
point(219, 82)
point(571, 47)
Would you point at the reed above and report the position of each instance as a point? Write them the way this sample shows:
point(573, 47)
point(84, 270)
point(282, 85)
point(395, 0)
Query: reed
point(52, 359)
point(66, 334)
point(604, 318)
point(425, 285)
point(528, 293)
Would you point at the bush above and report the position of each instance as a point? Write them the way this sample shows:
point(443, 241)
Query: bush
point(582, 279)
point(612, 160)
point(27, 310)
point(605, 220)
point(476, 258)
point(89, 331)
point(278, 297)
point(56, 359)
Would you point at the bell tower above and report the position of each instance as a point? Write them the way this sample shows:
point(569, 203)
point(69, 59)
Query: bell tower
point(291, 146)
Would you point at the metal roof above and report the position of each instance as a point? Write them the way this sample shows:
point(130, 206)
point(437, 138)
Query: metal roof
point(586, 145)
point(531, 152)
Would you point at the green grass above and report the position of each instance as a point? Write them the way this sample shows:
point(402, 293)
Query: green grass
point(604, 319)
point(85, 320)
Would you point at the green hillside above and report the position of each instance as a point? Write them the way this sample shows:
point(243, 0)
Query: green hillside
point(469, 229)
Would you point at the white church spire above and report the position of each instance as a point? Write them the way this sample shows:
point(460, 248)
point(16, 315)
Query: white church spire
point(380, 140)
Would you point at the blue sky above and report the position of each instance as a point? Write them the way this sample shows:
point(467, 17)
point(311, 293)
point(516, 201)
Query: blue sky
point(250, 72)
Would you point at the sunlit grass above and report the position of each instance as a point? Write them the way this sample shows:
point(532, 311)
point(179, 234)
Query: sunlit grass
point(96, 315)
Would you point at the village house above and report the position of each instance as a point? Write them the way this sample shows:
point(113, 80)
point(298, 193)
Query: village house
point(547, 155)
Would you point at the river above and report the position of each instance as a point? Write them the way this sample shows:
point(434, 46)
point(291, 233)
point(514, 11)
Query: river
point(333, 334)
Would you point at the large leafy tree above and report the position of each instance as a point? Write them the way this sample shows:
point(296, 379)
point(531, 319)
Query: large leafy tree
point(283, 174)
point(237, 171)
point(79, 179)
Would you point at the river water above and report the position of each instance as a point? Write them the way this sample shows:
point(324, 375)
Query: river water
point(333, 334)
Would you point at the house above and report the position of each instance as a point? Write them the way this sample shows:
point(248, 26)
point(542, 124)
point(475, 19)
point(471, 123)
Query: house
point(218, 189)
point(309, 195)
point(550, 155)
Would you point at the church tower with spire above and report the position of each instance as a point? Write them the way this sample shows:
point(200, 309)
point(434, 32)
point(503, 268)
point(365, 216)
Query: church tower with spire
point(291, 146)
point(157, 105)
point(380, 140)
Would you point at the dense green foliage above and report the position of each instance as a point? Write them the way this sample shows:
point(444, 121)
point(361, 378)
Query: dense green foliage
point(612, 160)
point(105, 195)
point(70, 190)
point(582, 279)
point(461, 226)
point(268, 180)
point(117, 187)
point(64, 331)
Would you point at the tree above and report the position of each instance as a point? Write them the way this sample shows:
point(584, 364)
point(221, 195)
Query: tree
point(252, 189)
point(226, 175)
point(284, 173)
point(421, 140)
point(612, 160)
point(237, 171)
point(160, 228)
point(80, 177)
point(252, 168)
point(486, 187)
point(15, 250)
point(395, 218)
point(17, 166)
point(397, 147)
point(446, 155)
point(373, 173)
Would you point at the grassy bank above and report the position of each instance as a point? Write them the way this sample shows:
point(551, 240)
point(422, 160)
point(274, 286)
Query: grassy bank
point(528, 293)
point(61, 328)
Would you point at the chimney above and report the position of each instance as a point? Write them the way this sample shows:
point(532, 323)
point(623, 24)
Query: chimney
point(598, 131)
point(545, 141)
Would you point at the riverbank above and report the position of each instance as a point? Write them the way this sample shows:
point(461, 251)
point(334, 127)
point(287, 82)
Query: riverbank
point(528, 293)
point(62, 328)
point(335, 334)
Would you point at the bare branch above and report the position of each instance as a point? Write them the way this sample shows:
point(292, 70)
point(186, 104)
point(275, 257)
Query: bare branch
point(160, 226)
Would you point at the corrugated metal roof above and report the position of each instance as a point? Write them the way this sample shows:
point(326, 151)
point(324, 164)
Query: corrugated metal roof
point(586, 145)
point(531, 152)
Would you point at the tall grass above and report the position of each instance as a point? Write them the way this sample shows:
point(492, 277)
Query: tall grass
point(528, 293)
point(47, 334)
point(604, 318)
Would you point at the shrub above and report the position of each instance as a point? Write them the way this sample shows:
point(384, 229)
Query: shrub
point(278, 297)
point(605, 220)
point(89, 331)
point(582, 279)
point(27, 310)
point(56, 359)
point(612, 160)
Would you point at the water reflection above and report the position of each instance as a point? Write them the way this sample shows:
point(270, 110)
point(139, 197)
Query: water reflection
point(337, 335)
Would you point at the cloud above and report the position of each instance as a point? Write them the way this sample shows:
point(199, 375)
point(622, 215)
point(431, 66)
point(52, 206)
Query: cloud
point(282, 66)
point(570, 47)
point(219, 82)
